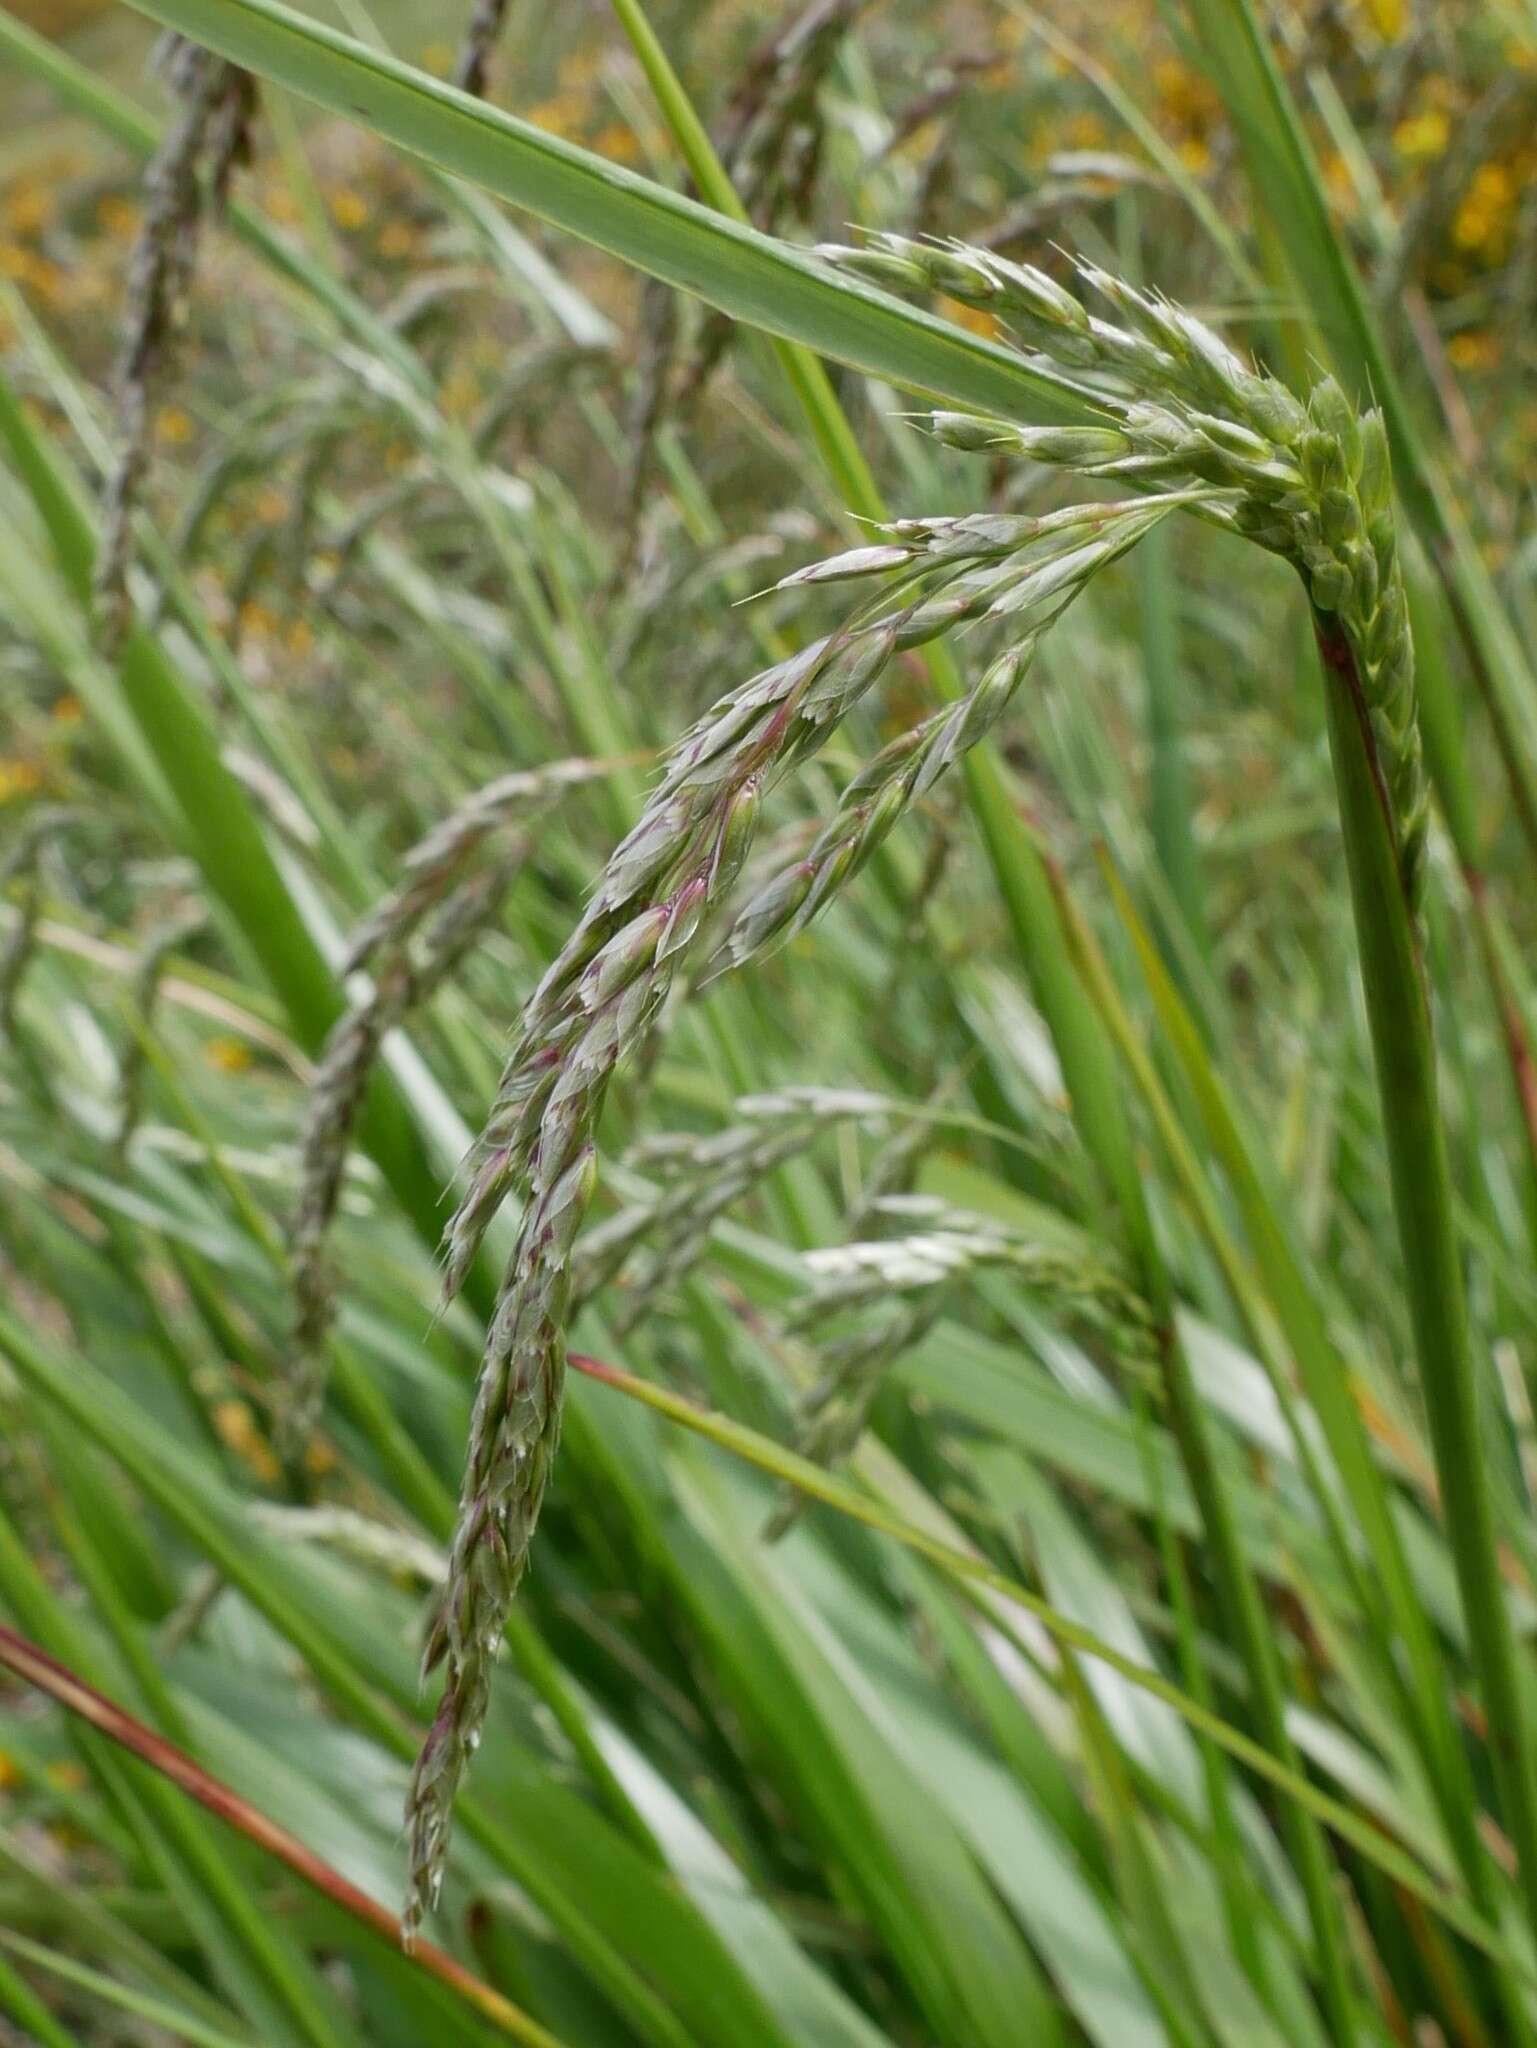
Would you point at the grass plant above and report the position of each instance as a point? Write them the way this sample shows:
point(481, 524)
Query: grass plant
point(864, 1334)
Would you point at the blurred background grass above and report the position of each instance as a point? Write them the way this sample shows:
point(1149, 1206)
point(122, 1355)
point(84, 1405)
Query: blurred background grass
point(805, 1793)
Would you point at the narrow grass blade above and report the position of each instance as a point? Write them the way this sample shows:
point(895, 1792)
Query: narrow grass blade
point(821, 1485)
point(157, 2012)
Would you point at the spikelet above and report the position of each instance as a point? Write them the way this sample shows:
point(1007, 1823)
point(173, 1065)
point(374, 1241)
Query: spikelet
point(411, 941)
point(592, 1007)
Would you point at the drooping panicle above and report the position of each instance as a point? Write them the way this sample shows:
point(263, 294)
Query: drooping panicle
point(595, 1003)
point(188, 178)
point(900, 1282)
point(592, 1008)
point(411, 941)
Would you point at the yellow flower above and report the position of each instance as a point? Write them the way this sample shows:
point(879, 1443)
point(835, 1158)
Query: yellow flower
point(229, 1055)
point(9, 1774)
point(438, 58)
point(617, 142)
point(1195, 154)
point(238, 1432)
point(18, 778)
point(173, 426)
point(1474, 350)
point(397, 238)
point(1187, 95)
point(1085, 131)
point(320, 1457)
point(117, 216)
point(1493, 185)
point(68, 710)
point(299, 637)
point(1388, 18)
point(578, 68)
point(561, 115)
point(1421, 137)
point(279, 203)
point(349, 209)
point(1484, 219)
point(28, 268)
point(29, 208)
point(1341, 185)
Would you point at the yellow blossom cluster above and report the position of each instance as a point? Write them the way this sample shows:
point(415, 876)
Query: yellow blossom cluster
point(19, 777)
point(1388, 17)
point(1485, 220)
point(1421, 137)
point(1480, 204)
point(1190, 108)
point(1475, 351)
